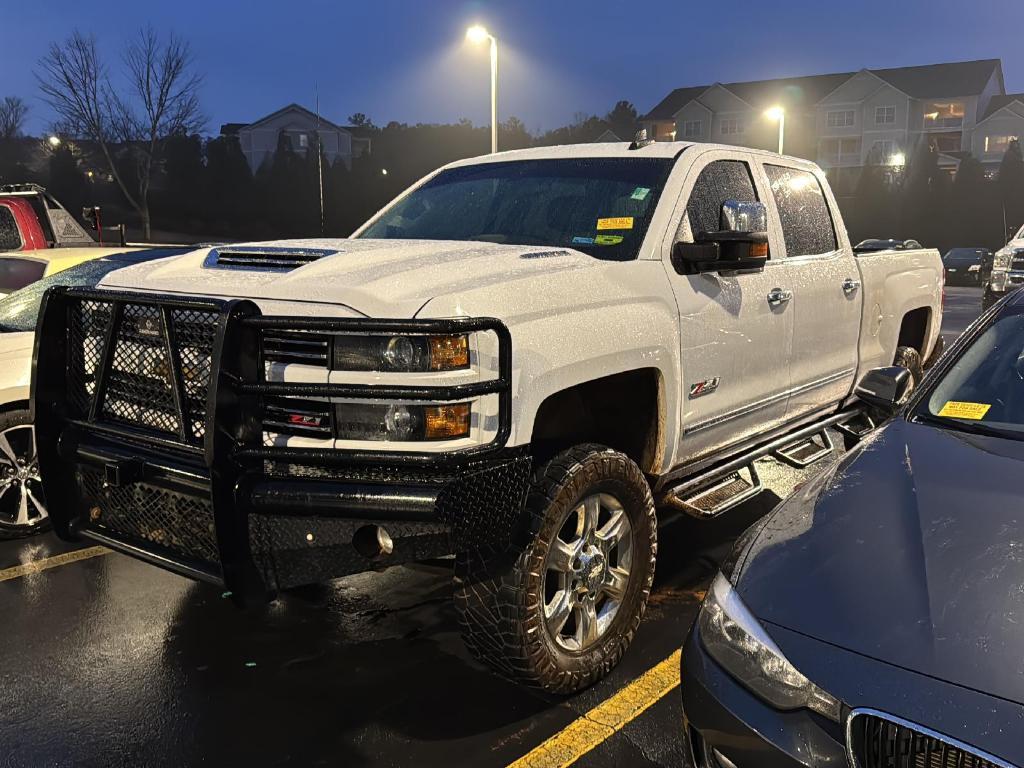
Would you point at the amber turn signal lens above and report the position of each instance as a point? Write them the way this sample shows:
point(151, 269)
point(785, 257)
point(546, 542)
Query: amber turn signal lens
point(759, 250)
point(444, 422)
point(449, 353)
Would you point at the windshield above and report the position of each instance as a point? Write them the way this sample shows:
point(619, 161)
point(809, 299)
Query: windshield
point(984, 390)
point(601, 206)
point(963, 254)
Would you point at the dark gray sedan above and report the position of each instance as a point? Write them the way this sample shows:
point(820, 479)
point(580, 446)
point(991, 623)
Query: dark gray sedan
point(876, 617)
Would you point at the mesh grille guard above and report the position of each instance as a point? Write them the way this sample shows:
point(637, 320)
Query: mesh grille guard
point(149, 411)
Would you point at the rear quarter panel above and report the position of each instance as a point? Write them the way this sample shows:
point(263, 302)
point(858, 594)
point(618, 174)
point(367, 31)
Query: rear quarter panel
point(896, 283)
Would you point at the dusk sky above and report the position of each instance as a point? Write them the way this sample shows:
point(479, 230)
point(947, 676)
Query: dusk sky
point(407, 61)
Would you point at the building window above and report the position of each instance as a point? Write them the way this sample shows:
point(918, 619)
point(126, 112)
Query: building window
point(943, 114)
point(835, 152)
point(303, 141)
point(998, 143)
point(730, 126)
point(885, 115)
point(693, 129)
point(842, 118)
point(882, 152)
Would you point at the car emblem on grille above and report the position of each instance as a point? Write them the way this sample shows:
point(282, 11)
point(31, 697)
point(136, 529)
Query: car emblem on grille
point(305, 420)
point(149, 326)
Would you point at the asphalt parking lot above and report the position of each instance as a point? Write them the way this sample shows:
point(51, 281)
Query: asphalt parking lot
point(110, 662)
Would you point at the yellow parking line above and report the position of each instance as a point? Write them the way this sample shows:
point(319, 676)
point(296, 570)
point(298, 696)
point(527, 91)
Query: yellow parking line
point(45, 563)
point(607, 718)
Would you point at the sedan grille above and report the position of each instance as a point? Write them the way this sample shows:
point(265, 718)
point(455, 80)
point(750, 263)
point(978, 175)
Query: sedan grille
point(882, 741)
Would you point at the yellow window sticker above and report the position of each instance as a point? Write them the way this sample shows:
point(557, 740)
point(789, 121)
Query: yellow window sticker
point(607, 239)
point(621, 222)
point(954, 409)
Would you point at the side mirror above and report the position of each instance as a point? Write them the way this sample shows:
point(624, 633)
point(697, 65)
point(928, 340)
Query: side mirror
point(740, 245)
point(885, 388)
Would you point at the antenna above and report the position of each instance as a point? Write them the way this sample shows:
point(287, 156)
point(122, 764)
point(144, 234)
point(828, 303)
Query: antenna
point(319, 155)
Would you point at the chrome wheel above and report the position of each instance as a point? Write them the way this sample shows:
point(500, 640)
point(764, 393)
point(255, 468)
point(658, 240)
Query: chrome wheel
point(586, 572)
point(21, 489)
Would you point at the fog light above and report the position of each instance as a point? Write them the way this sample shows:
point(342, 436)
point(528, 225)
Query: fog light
point(399, 422)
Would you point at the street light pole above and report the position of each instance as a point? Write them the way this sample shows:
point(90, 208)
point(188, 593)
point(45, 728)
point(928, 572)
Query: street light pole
point(477, 34)
point(778, 114)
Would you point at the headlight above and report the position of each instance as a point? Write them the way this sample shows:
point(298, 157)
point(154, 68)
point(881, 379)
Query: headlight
point(737, 641)
point(401, 423)
point(1001, 259)
point(405, 354)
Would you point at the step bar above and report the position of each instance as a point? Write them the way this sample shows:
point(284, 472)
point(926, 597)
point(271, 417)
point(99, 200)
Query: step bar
point(807, 450)
point(702, 486)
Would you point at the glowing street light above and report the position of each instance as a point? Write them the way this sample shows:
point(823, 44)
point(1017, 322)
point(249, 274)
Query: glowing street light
point(54, 141)
point(778, 114)
point(477, 35)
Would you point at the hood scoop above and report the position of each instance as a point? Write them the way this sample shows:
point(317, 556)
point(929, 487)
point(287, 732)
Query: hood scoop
point(263, 257)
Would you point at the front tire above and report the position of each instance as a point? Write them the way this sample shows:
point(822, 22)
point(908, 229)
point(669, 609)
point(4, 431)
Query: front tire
point(559, 608)
point(22, 507)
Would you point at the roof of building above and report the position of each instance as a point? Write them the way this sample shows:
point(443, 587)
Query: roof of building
point(960, 78)
point(1001, 100)
point(929, 81)
point(231, 129)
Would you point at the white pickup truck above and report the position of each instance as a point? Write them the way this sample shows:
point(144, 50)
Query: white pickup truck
point(516, 362)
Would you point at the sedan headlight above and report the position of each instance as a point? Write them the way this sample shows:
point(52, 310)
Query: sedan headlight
point(737, 641)
point(399, 353)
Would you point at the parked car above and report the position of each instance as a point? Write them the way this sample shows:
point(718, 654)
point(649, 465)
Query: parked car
point(625, 324)
point(877, 612)
point(22, 504)
point(38, 237)
point(1007, 271)
point(964, 265)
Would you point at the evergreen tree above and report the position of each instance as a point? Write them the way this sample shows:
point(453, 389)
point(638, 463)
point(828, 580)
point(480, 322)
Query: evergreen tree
point(1010, 183)
point(623, 120)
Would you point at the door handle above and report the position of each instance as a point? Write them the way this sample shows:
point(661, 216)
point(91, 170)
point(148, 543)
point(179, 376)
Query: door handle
point(778, 297)
point(850, 286)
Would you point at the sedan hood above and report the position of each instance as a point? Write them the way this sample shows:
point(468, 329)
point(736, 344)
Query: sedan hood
point(911, 551)
point(377, 278)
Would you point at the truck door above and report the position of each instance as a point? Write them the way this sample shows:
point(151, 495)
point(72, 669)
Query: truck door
point(734, 333)
point(820, 271)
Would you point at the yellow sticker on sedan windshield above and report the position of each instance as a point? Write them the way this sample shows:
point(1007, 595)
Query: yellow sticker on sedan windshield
point(622, 222)
point(954, 409)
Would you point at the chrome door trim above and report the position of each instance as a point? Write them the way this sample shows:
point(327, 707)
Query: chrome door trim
point(920, 729)
point(765, 402)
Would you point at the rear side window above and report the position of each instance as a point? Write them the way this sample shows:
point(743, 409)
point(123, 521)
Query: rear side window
point(720, 181)
point(10, 239)
point(17, 273)
point(806, 223)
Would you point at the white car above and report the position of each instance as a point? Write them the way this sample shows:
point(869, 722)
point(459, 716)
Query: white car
point(513, 362)
point(1007, 270)
point(22, 504)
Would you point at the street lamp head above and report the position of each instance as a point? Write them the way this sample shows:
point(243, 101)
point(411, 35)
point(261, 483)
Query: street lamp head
point(477, 34)
point(54, 141)
point(775, 113)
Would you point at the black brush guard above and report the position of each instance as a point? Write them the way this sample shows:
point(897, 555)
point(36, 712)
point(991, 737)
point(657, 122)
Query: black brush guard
point(149, 421)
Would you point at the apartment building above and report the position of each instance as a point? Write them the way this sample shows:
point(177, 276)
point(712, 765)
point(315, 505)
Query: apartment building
point(847, 120)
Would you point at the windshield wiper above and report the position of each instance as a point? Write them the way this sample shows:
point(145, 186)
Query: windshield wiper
point(971, 427)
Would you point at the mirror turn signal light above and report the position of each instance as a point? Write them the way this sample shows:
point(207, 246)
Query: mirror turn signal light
point(759, 250)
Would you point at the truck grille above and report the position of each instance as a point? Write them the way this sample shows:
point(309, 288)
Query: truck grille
point(148, 345)
point(876, 741)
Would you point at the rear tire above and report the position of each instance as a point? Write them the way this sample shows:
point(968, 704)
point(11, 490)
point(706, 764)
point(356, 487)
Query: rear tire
point(560, 606)
point(910, 358)
point(22, 506)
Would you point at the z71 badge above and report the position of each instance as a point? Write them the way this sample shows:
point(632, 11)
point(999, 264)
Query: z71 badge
point(701, 388)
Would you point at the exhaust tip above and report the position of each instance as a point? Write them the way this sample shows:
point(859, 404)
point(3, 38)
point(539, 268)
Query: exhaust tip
point(373, 542)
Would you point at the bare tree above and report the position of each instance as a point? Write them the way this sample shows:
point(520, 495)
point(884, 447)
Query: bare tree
point(159, 100)
point(13, 111)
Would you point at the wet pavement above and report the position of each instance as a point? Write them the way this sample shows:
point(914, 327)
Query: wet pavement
point(107, 661)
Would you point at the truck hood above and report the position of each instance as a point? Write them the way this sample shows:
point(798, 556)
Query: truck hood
point(910, 552)
point(376, 278)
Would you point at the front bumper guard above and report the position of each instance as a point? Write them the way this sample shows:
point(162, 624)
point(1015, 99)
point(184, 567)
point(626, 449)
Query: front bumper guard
point(210, 501)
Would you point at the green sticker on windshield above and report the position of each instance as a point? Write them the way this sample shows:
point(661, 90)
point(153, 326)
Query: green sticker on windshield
point(607, 239)
point(640, 193)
